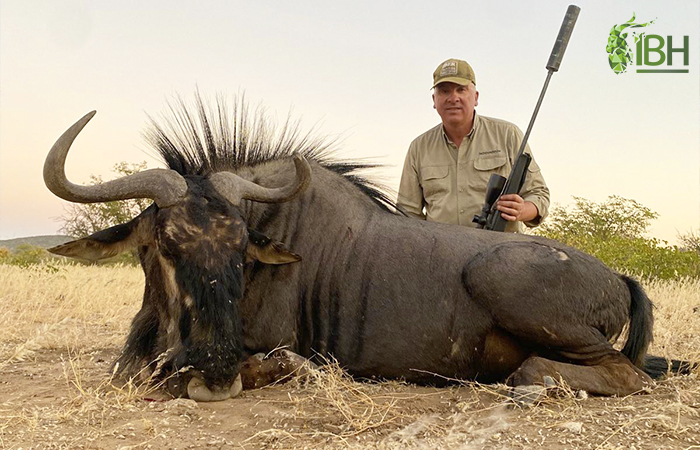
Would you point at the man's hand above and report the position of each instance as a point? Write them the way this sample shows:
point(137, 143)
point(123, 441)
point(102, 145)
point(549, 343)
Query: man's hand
point(513, 208)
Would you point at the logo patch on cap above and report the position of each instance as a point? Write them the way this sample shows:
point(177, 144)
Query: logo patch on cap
point(448, 69)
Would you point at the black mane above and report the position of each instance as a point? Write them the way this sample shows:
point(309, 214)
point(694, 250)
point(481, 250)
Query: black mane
point(211, 137)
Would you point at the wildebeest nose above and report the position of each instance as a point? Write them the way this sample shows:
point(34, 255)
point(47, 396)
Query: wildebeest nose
point(197, 390)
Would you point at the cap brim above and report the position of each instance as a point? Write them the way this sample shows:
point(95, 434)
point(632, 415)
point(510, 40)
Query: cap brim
point(456, 80)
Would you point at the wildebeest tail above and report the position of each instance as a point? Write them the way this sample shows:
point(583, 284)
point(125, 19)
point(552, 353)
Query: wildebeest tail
point(657, 366)
point(641, 323)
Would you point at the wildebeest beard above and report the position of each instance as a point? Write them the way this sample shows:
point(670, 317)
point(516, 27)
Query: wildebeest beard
point(210, 327)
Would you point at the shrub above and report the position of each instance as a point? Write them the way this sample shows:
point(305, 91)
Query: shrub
point(27, 255)
point(614, 232)
point(690, 241)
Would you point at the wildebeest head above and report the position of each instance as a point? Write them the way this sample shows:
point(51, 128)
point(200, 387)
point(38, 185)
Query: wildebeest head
point(193, 244)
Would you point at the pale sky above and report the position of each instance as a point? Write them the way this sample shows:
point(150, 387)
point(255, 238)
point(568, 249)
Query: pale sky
point(359, 69)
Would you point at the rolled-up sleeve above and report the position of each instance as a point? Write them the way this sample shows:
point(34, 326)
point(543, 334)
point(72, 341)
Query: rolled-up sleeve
point(536, 191)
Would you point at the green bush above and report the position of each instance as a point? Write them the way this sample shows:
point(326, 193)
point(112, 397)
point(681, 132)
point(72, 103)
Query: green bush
point(614, 232)
point(24, 255)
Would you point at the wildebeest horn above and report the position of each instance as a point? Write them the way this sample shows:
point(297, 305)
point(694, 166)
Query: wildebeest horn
point(166, 187)
point(235, 188)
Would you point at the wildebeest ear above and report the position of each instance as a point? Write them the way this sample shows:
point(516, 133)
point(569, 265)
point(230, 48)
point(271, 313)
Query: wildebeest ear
point(265, 250)
point(111, 241)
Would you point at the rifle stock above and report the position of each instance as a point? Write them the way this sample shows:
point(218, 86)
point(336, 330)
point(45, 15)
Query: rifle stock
point(490, 218)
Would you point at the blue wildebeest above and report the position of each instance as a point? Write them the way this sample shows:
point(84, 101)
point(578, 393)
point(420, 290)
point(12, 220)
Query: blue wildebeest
point(386, 295)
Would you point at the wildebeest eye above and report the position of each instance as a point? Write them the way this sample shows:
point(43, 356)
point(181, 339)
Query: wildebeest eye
point(262, 248)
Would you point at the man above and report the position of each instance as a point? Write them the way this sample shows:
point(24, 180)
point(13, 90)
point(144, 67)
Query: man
point(447, 168)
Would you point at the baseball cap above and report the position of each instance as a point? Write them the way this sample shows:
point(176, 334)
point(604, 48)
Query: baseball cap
point(454, 71)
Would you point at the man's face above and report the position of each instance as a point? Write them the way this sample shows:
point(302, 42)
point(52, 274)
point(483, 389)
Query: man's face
point(455, 103)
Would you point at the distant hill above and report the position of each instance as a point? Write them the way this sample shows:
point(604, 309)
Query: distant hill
point(37, 241)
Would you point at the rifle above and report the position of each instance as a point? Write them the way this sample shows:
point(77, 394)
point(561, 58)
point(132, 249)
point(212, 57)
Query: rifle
point(490, 218)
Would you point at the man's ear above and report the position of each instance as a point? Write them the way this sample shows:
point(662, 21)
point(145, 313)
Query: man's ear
point(111, 241)
point(265, 250)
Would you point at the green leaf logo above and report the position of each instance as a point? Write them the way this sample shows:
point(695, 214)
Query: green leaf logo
point(619, 54)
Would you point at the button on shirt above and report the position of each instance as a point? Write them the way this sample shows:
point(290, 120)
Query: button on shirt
point(443, 183)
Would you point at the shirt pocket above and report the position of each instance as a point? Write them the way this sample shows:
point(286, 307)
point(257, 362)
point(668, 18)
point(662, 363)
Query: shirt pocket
point(435, 182)
point(483, 168)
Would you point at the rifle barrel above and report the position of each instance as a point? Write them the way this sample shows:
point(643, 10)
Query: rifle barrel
point(567, 27)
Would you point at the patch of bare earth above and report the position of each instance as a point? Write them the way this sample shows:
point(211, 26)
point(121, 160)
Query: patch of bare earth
point(63, 326)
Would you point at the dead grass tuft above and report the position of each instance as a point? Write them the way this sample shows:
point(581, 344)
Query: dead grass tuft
point(336, 408)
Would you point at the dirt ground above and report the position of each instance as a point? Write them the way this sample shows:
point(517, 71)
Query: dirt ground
point(61, 400)
point(59, 341)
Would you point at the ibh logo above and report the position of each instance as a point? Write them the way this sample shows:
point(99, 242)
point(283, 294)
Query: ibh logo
point(620, 55)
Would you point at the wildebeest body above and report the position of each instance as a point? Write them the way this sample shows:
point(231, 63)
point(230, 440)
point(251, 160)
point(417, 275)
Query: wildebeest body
point(386, 295)
point(394, 297)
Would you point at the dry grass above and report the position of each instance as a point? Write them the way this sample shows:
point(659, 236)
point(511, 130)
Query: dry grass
point(56, 307)
point(677, 318)
point(64, 325)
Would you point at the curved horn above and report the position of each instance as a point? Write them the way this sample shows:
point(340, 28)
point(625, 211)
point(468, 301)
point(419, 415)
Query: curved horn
point(235, 188)
point(166, 187)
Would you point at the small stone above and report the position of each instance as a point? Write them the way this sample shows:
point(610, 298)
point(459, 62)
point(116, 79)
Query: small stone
point(574, 427)
point(549, 382)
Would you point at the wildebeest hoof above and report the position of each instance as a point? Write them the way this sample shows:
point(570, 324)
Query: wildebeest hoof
point(296, 364)
point(255, 372)
point(528, 395)
point(197, 390)
point(260, 370)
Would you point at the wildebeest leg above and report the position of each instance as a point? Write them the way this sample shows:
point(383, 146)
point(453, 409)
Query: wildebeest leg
point(260, 370)
point(566, 307)
point(613, 374)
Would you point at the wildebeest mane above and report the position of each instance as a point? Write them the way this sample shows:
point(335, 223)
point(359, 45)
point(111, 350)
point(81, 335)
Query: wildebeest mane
point(211, 137)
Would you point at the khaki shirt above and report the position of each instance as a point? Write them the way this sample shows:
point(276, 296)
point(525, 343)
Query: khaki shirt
point(443, 183)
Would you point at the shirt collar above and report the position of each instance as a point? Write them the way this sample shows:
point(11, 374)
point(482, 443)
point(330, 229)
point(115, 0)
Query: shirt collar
point(470, 135)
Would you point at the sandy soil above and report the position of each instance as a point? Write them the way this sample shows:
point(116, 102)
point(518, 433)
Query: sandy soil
point(61, 400)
